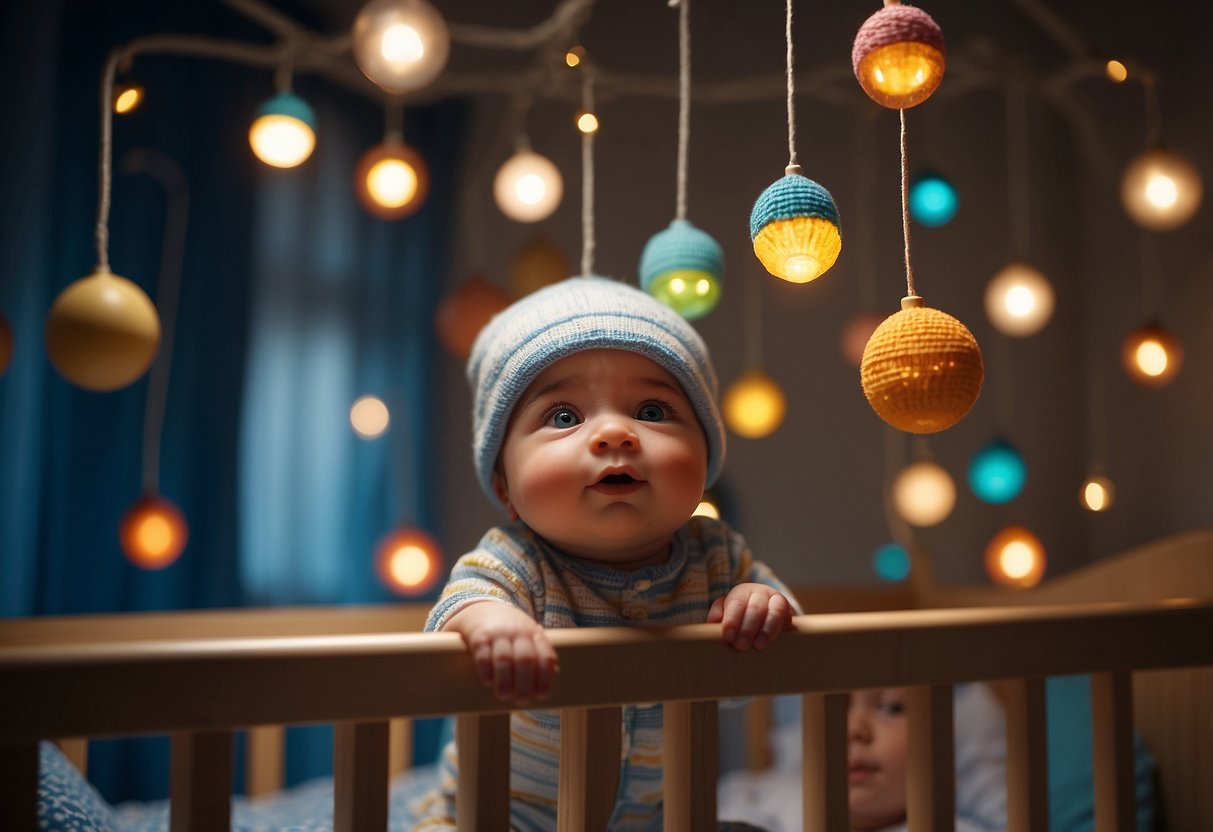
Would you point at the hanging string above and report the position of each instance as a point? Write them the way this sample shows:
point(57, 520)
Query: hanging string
point(684, 102)
point(1017, 169)
point(792, 160)
point(1149, 85)
point(905, 207)
point(1151, 276)
point(106, 173)
point(587, 179)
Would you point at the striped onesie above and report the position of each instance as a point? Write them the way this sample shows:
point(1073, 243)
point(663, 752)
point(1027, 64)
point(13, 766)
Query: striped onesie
point(513, 565)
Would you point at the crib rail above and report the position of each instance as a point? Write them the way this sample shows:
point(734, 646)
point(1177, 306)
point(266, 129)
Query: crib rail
point(201, 689)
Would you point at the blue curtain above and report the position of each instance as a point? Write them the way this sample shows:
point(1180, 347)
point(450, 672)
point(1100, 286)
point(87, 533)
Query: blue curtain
point(293, 302)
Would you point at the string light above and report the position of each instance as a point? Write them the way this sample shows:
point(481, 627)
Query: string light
point(754, 405)
point(1016, 558)
point(574, 56)
point(392, 180)
point(898, 56)
point(1116, 71)
point(401, 45)
point(924, 493)
point(528, 187)
point(408, 561)
point(1097, 493)
point(1161, 190)
point(283, 133)
point(1019, 300)
point(1152, 356)
point(127, 98)
point(369, 417)
point(153, 532)
point(587, 122)
point(997, 472)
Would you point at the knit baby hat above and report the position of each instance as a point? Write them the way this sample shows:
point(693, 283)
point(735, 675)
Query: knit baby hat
point(577, 314)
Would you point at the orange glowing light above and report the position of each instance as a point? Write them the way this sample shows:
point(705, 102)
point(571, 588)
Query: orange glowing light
point(1016, 558)
point(153, 532)
point(408, 561)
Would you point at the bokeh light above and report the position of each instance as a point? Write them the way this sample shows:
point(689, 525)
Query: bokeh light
point(924, 493)
point(408, 561)
point(153, 532)
point(369, 417)
point(891, 562)
point(933, 199)
point(1016, 558)
point(754, 405)
point(997, 472)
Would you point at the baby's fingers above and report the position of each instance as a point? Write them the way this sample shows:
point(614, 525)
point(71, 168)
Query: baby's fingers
point(778, 619)
point(546, 664)
point(503, 668)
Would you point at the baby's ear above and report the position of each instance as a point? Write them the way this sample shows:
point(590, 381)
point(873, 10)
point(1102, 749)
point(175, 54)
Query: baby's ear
point(502, 490)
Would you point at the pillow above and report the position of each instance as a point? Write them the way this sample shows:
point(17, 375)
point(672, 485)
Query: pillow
point(66, 801)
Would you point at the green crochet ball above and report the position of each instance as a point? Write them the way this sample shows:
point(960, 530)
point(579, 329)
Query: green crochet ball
point(683, 267)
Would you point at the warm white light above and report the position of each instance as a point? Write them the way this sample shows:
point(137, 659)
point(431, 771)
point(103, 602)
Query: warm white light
point(1097, 493)
point(574, 56)
point(127, 98)
point(409, 565)
point(924, 493)
point(1161, 190)
point(1019, 300)
point(587, 123)
point(1016, 557)
point(754, 406)
point(391, 182)
point(281, 140)
point(1116, 71)
point(801, 268)
point(1151, 358)
point(408, 561)
point(528, 187)
point(369, 417)
point(401, 45)
point(706, 509)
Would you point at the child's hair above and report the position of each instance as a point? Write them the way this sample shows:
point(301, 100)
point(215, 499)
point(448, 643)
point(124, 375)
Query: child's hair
point(577, 314)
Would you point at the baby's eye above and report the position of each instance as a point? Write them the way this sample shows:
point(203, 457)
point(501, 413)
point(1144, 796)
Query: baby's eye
point(563, 417)
point(893, 707)
point(651, 412)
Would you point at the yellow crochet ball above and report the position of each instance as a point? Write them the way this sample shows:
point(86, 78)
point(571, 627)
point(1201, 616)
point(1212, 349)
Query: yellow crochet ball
point(921, 370)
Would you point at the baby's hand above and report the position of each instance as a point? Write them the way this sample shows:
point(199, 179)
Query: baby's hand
point(511, 651)
point(751, 614)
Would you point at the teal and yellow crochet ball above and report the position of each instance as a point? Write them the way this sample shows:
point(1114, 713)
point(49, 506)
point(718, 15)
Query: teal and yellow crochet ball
point(794, 228)
point(683, 267)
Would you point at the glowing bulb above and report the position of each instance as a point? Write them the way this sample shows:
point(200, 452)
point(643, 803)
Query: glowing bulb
point(1016, 558)
point(391, 180)
point(1116, 71)
point(408, 561)
point(933, 200)
point(800, 268)
point(754, 406)
point(924, 493)
point(369, 417)
point(574, 56)
point(1019, 300)
point(153, 532)
point(1152, 356)
point(401, 45)
point(528, 187)
point(1096, 493)
point(1160, 190)
point(283, 133)
point(997, 472)
point(898, 56)
point(587, 123)
point(891, 562)
point(127, 98)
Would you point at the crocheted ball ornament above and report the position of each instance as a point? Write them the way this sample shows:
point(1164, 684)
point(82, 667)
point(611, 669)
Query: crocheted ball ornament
point(922, 369)
point(794, 227)
point(683, 267)
point(898, 56)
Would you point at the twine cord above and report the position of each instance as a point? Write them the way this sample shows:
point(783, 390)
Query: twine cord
point(1018, 169)
point(587, 180)
point(105, 163)
point(905, 207)
point(684, 103)
point(792, 160)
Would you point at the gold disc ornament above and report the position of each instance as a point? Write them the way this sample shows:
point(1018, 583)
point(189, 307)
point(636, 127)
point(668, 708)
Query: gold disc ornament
point(921, 370)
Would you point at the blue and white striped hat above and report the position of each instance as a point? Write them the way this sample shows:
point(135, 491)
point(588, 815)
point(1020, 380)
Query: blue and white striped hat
point(577, 314)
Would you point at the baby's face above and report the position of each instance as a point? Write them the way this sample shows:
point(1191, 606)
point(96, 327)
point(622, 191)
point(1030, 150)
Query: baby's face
point(604, 458)
point(876, 757)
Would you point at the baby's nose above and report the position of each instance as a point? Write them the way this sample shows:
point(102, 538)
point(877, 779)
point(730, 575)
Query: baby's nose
point(612, 431)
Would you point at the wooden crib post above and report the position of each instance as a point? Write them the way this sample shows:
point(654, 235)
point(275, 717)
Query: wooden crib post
point(692, 765)
point(1112, 752)
point(824, 738)
point(19, 787)
point(76, 751)
point(589, 768)
point(200, 782)
point(264, 750)
point(400, 746)
point(930, 784)
point(482, 802)
point(360, 772)
point(1027, 755)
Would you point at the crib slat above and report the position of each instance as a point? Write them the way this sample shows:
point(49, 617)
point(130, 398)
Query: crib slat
point(360, 772)
point(759, 719)
point(930, 785)
point(589, 768)
point(264, 751)
point(1112, 751)
point(691, 765)
point(76, 750)
point(400, 746)
point(483, 799)
point(200, 783)
point(824, 739)
point(1027, 757)
point(19, 787)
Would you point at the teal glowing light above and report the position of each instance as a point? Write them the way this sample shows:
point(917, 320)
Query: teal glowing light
point(997, 472)
point(933, 200)
point(891, 562)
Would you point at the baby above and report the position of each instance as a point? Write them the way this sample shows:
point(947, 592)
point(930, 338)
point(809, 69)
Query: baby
point(596, 428)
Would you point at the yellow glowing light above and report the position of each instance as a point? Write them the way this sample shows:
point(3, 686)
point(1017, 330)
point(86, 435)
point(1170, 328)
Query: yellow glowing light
point(281, 141)
point(924, 493)
point(574, 56)
point(799, 249)
point(127, 98)
point(408, 561)
point(1116, 71)
point(392, 183)
point(401, 45)
point(369, 417)
point(706, 509)
point(754, 406)
point(902, 74)
point(1152, 356)
point(1016, 558)
point(1097, 493)
point(153, 532)
point(587, 123)
point(1161, 190)
point(528, 187)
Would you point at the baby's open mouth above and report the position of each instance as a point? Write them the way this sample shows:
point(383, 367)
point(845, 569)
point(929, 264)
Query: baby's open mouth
point(618, 479)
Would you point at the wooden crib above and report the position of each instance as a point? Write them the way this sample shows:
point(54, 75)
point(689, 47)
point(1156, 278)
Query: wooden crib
point(1141, 624)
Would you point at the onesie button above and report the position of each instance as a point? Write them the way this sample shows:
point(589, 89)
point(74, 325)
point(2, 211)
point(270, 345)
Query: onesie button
point(642, 585)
